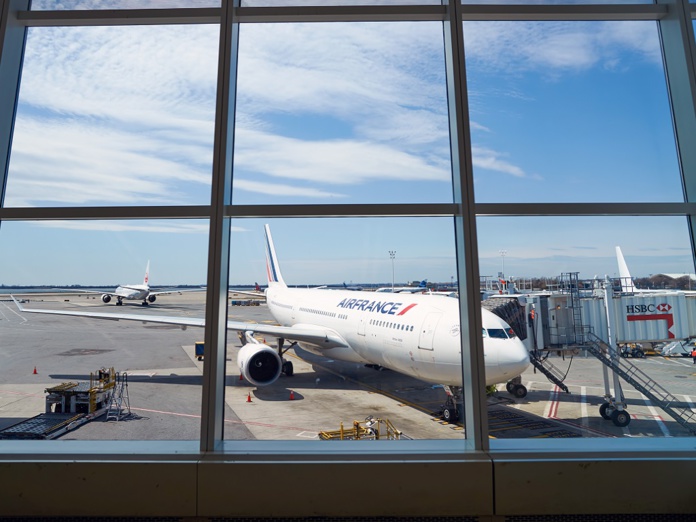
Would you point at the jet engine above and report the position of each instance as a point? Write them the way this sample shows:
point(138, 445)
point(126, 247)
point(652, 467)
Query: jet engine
point(259, 363)
point(106, 298)
point(151, 298)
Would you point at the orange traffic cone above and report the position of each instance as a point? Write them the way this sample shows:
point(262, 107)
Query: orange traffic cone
point(292, 395)
point(249, 397)
point(35, 372)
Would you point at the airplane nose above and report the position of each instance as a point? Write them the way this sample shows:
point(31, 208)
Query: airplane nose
point(515, 358)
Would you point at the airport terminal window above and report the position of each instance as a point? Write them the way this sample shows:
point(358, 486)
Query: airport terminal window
point(319, 377)
point(556, 118)
point(306, 132)
point(562, 268)
point(92, 267)
point(349, 113)
point(57, 5)
point(115, 116)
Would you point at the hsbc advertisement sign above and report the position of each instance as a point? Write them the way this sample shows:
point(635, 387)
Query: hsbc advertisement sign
point(652, 312)
point(648, 317)
point(648, 308)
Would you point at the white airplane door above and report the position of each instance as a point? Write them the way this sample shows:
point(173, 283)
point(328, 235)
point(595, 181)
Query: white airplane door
point(427, 332)
point(361, 326)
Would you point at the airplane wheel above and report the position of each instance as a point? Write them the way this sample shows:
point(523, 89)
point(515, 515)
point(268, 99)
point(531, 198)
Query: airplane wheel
point(118, 303)
point(519, 391)
point(288, 368)
point(603, 411)
point(621, 418)
point(449, 414)
point(509, 387)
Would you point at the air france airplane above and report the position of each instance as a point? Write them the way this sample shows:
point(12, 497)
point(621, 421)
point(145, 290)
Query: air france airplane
point(416, 335)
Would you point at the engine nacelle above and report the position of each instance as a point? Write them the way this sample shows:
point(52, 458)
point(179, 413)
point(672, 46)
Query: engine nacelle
point(259, 364)
point(106, 298)
point(151, 298)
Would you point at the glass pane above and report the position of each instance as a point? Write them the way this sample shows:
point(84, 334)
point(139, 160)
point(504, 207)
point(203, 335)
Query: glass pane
point(281, 3)
point(554, 2)
point(569, 112)
point(115, 116)
point(563, 268)
point(341, 113)
point(402, 347)
point(75, 268)
point(66, 5)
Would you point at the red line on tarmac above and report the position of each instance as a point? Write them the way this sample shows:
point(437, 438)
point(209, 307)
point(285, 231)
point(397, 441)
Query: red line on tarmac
point(553, 410)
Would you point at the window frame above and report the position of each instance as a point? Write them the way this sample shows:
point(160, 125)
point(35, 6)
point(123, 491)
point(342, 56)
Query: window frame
point(476, 453)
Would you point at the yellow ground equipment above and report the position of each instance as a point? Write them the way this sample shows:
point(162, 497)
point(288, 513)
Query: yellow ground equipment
point(371, 429)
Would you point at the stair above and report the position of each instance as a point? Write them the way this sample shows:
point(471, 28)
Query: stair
point(642, 382)
point(116, 410)
point(552, 373)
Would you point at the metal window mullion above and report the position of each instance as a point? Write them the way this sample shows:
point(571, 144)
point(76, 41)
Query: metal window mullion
point(473, 370)
point(79, 17)
point(585, 209)
point(679, 56)
point(12, 41)
point(213, 396)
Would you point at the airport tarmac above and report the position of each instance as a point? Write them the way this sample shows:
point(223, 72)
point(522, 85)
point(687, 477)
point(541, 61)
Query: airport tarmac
point(165, 379)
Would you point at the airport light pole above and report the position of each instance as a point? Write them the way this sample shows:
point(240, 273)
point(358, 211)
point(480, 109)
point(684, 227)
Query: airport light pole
point(392, 255)
point(502, 257)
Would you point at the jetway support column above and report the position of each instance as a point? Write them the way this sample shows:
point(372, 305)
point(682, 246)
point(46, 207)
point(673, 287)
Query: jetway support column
point(615, 407)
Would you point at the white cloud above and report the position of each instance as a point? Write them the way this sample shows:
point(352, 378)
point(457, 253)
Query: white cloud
point(168, 227)
point(273, 189)
point(334, 162)
point(554, 47)
point(491, 160)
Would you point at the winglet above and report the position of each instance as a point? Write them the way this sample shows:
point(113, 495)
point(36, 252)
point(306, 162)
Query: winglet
point(625, 276)
point(272, 266)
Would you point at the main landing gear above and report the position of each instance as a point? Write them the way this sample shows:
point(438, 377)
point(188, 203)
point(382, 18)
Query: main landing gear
point(516, 388)
point(287, 365)
point(119, 301)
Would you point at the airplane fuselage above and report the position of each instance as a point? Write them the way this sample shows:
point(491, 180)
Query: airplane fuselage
point(132, 292)
point(418, 335)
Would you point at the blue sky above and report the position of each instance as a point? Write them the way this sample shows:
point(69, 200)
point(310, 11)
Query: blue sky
point(342, 113)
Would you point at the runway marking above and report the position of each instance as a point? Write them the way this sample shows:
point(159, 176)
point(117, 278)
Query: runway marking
point(24, 319)
point(656, 416)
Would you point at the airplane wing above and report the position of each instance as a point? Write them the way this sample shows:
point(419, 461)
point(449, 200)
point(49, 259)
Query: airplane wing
point(174, 291)
point(317, 335)
point(258, 295)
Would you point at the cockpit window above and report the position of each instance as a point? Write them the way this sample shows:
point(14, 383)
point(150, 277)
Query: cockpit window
point(497, 333)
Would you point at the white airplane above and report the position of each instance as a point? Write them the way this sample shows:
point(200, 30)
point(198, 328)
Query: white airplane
point(416, 335)
point(136, 292)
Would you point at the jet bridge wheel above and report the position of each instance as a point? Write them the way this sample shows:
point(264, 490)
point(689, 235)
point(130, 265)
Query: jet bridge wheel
point(621, 418)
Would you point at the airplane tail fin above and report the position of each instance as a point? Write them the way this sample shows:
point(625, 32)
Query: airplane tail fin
point(272, 267)
point(625, 276)
point(146, 279)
